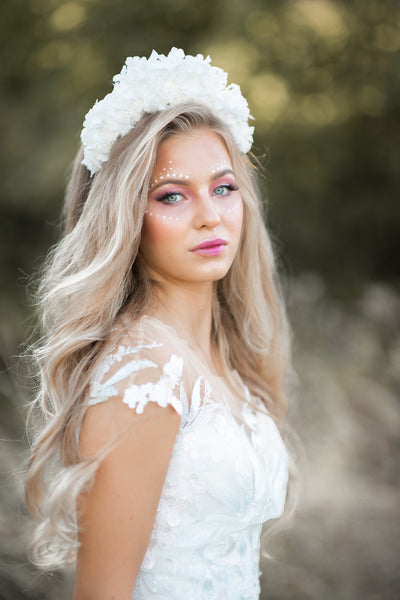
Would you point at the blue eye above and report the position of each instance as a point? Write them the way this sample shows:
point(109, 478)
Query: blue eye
point(170, 198)
point(224, 190)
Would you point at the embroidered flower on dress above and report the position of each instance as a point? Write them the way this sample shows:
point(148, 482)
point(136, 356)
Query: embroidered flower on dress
point(161, 392)
point(173, 369)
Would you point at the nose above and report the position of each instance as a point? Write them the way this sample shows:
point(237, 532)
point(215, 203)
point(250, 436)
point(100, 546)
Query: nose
point(207, 214)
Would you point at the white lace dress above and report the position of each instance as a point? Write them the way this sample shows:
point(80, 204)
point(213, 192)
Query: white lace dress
point(227, 475)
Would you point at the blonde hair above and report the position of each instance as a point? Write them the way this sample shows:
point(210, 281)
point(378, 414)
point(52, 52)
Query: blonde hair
point(95, 272)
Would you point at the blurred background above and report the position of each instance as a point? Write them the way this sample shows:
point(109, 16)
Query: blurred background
point(323, 82)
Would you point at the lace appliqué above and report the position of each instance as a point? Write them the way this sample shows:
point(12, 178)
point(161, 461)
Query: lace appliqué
point(137, 396)
point(250, 418)
point(161, 392)
point(102, 391)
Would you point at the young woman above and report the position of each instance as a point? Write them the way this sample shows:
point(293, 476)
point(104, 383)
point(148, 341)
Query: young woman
point(165, 348)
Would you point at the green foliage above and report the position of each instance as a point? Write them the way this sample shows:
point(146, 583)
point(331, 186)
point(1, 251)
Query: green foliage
point(322, 78)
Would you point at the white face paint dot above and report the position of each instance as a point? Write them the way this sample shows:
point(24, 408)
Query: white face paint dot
point(221, 166)
point(163, 216)
point(151, 214)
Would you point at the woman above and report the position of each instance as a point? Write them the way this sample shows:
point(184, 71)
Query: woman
point(165, 349)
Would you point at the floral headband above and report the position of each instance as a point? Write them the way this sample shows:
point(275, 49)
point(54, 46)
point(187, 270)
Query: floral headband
point(155, 84)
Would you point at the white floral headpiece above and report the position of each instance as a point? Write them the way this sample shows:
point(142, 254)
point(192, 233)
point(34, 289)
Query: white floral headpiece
point(155, 84)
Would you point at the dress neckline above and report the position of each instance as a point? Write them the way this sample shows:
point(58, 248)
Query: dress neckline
point(232, 381)
point(230, 384)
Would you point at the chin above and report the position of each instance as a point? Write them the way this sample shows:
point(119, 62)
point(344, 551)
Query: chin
point(214, 274)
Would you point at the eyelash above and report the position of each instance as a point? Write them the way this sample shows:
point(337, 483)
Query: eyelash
point(227, 186)
point(166, 196)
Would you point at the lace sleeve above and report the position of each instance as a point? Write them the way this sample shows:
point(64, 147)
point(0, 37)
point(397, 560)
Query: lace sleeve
point(141, 370)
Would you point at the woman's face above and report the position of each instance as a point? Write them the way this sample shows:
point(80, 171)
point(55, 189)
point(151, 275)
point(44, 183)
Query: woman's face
point(193, 221)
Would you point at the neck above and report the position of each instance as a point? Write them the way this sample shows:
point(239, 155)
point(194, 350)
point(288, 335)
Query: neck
point(188, 309)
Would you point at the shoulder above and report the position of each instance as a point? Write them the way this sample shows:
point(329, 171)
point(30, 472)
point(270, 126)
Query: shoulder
point(141, 363)
point(137, 384)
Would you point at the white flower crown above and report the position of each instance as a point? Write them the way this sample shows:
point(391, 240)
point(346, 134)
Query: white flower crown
point(155, 84)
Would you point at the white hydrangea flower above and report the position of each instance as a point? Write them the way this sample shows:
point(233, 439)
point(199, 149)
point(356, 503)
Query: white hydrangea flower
point(155, 84)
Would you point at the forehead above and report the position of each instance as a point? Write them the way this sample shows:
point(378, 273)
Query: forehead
point(187, 152)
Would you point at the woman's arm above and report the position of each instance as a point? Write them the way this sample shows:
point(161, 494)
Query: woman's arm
point(117, 515)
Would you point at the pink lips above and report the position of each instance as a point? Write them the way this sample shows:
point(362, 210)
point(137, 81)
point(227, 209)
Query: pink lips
point(210, 247)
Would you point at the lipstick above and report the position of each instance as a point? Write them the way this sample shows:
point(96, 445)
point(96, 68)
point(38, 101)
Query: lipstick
point(209, 247)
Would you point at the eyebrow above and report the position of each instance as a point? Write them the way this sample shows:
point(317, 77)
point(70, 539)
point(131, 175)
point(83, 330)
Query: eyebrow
point(186, 181)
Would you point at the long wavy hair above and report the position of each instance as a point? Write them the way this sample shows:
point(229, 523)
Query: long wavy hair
point(95, 272)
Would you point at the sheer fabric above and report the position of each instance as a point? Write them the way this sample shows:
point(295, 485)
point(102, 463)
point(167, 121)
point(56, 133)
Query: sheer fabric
point(227, 475)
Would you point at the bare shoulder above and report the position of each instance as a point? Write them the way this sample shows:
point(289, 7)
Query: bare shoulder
point(113, 424)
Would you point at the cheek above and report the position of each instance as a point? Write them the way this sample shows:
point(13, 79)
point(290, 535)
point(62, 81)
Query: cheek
point(160, 232)
point(234, 217)
point(155, 215)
